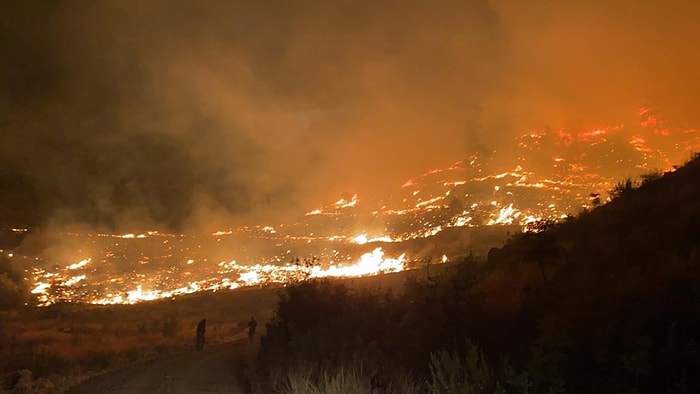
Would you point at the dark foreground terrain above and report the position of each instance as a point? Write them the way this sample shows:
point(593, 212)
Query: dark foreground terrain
point(604, 302)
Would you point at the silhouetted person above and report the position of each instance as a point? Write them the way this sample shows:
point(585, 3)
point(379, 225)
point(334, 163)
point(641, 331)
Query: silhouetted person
point(201, 329)
point(251, 328)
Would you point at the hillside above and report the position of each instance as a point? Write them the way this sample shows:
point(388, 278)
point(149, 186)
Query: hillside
point(604, 302)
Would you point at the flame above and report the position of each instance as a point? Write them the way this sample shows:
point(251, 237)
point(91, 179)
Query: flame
point(41, 287)
point(639, 143)
point(371, 263)
point(343, 203)
point(409, 183)
point(591, 134)
point(335, 207)
point(480, 190)
point(506, 215)
point(72, 281)
point(363, 239)
point(360, 239)
point(79, 264)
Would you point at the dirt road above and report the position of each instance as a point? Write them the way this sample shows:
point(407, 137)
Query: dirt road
point(209, 371)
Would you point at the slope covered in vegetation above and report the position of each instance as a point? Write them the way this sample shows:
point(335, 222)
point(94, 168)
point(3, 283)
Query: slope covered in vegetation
point(608, 301)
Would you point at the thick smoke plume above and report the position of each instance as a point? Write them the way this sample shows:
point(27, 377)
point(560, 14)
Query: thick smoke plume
point(190, 114)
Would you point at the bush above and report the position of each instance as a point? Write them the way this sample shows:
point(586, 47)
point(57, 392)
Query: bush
point(621, 188)
point(344, 380)
point(470, 373)
point(651, 176)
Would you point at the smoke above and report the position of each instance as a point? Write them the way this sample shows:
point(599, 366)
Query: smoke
point(206, 113)
point(587, 64)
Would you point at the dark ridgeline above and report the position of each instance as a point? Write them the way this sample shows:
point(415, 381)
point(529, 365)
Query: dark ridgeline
point(605, 302)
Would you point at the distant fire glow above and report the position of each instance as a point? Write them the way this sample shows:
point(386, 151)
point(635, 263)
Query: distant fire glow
point(548, 175)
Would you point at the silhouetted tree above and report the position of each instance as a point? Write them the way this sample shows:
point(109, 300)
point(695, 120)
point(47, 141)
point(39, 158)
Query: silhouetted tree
point(621, 188)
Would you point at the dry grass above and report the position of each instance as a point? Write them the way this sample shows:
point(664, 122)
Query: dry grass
point(78, 338)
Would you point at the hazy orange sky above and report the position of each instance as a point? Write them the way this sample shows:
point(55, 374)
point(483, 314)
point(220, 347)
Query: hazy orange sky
point(174, 112)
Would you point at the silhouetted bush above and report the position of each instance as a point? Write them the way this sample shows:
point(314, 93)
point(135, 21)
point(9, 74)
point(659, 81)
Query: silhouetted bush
point(651, 176)
point(621, 188)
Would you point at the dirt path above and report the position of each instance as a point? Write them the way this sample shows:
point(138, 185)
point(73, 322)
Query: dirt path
point(209, 371)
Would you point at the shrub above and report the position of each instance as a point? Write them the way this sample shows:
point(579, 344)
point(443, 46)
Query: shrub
point(39, 360)
point(621, 188)
point(450, 373)
point(651, 176)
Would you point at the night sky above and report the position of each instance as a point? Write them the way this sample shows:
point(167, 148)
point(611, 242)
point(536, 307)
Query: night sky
point(174, 114)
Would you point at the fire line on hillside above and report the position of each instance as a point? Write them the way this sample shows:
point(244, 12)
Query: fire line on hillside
point(349, 238)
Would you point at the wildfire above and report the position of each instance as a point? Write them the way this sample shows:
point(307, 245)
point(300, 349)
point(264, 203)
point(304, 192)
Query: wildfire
point(409, 183)
point(506, 215)
point(586, 135)
point(363, 239)
point(343, 203)
point(79, 264)
point(336, 207)
point(371, 263)
point(545, 175)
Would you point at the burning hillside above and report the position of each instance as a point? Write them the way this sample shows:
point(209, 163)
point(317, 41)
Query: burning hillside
point(353, 237)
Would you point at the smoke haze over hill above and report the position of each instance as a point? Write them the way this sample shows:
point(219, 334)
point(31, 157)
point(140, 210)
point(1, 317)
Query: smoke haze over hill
point(180, 114)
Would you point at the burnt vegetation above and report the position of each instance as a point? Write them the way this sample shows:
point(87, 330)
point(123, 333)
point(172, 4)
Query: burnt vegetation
point(605, 302)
